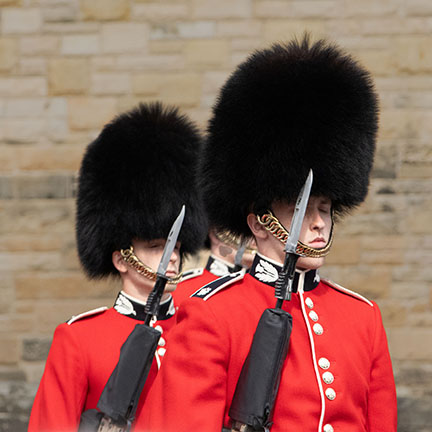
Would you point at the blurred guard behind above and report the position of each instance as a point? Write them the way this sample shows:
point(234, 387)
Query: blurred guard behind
point(285, 110)
point(228, 254)
point(134, 179)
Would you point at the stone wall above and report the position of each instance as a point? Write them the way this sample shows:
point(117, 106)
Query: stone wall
point(68, 66)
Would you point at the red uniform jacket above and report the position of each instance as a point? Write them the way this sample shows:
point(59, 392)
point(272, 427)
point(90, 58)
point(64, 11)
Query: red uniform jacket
point(337, 375)
point(83, 354)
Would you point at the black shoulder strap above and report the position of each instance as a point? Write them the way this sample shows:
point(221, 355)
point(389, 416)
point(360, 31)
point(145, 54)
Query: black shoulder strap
point(217, 285)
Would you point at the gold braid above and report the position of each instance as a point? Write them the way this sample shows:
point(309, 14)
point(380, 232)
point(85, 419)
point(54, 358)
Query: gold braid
point(130, 258)
point(272, 224)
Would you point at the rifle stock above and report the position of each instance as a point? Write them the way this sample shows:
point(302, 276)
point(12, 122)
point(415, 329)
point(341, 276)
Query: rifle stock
point(258, 384)
point(119, 400)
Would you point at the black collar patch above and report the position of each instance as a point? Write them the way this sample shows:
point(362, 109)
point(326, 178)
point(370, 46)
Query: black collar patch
point(267, 271)
point(134, 308)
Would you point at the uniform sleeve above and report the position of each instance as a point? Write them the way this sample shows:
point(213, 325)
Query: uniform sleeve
point(382, 404)
point(189, 392)
point(60, 398)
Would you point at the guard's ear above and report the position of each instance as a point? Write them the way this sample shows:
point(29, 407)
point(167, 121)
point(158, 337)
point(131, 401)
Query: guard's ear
point(118, 262)
point(257, 229)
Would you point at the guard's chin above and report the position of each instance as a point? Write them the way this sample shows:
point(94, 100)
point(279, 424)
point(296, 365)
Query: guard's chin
point(309, 263)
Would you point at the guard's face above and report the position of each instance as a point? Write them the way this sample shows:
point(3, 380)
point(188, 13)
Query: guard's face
point(150, 253)
point(315, 230)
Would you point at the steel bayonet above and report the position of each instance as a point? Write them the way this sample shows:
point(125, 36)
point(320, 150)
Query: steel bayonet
point(286, 276)
point(298, 216)
point(170, 243)
point(152, 305)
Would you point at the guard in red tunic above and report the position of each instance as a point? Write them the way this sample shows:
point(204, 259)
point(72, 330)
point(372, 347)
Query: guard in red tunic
point(285, 110)
point(133, 181)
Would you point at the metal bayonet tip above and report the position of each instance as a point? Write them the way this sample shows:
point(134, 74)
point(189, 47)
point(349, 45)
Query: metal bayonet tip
point(299, 213)
point(171, 242)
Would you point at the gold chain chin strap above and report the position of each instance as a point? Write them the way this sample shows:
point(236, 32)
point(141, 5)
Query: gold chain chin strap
point(130, 258)
point(272, 224)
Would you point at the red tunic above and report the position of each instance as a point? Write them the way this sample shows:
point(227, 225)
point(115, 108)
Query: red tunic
point(83, 354)
point(337, 375)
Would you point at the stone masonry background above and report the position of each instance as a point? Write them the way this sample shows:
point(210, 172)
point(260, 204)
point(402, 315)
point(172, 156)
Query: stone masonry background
point(68, 66)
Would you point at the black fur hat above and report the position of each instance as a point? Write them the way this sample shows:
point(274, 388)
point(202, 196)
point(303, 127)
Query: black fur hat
point(283, 111)
point(133, 181)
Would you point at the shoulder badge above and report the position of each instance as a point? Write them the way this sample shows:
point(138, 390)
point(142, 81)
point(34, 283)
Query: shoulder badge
point(190, 274)
point(217, 285)
point(346, 291)
point(86, 314)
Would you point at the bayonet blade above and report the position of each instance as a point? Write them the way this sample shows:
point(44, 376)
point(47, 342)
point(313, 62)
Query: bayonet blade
point(239, 254)
point(170, 243)
point(298, 216)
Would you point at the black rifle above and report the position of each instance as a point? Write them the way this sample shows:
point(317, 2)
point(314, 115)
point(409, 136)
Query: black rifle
point(253, 402)
point(119, 399)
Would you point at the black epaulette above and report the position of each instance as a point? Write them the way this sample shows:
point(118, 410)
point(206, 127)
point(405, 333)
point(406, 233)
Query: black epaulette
point(190, 274)
point(217, 285)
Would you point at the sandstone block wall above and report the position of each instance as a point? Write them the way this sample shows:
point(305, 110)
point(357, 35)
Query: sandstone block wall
point(68, 66)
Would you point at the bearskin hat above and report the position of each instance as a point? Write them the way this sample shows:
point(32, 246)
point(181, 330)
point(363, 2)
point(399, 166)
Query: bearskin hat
point(283, 111)
point(134, 178)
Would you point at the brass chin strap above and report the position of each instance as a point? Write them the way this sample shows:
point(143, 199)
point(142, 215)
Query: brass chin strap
point(130, 258)
point(232, 240)
point(272, 224)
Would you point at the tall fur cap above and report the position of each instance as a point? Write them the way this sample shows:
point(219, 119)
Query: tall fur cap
point(283, 111)
point(133, 181)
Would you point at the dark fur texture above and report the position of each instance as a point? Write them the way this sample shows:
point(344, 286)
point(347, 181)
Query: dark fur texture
point(283, 111)
point(133, 181)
